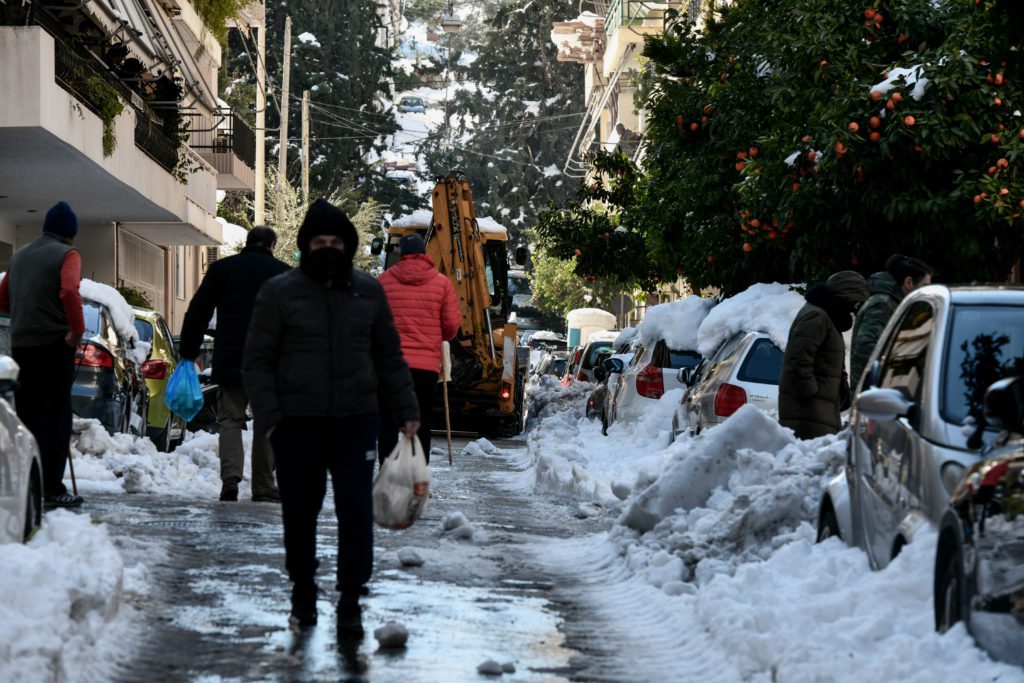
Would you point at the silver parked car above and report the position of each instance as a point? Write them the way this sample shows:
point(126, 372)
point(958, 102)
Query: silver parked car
point(652, 371)
point(745, 369)
point(21, 471)
point(918, 424)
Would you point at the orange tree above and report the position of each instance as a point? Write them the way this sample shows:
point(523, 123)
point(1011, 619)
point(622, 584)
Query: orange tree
point(790, 138)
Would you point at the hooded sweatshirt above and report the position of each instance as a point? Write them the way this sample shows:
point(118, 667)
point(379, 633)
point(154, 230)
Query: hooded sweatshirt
point(425, 309)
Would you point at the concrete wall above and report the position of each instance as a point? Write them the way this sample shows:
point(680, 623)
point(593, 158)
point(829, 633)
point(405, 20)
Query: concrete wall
point(98, 246)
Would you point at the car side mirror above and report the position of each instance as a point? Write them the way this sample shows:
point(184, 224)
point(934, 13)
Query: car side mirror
point(600, 373)
point(884, 405)
point(611, 365)
point(1004, 404)
point(9, 371)
point(522, 255)
point(376, 246)
point(685, 376)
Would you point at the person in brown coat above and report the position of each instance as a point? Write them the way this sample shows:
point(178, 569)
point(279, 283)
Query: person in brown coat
point(814, 388)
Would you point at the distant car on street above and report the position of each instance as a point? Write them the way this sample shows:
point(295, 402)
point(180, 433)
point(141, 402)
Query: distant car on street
point(917, 426)
point(109, 385)
point(583, 370)
point(745, 369)
point(979, 558)
point(21, 470)
point(410, 104)
point(551, 363)
point(164, 428)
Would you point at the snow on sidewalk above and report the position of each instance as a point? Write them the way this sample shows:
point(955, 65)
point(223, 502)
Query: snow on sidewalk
point(65, 603)
point(713, 549)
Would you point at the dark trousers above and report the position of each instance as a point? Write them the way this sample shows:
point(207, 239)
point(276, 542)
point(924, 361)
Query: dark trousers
point(425, 384)
point(305, 451)
point(43, 402)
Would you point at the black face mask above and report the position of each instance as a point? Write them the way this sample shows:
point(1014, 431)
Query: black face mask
point(327, 265)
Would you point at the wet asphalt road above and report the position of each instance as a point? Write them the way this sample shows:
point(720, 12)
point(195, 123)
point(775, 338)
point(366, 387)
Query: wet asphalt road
point(219, 606)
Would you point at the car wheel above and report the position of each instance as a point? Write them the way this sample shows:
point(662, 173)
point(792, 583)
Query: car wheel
point(828, 525)
point(161, 438)
point(33, 507)
point(950, 589)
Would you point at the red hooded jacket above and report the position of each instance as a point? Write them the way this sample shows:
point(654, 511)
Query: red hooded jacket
point(425, 309)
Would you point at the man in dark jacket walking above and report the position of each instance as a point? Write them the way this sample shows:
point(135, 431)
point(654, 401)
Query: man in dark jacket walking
point(230, 288)
point(813, 388)
point(41, 294)
point(902, 275)
point(426, 313)
point(321, 340)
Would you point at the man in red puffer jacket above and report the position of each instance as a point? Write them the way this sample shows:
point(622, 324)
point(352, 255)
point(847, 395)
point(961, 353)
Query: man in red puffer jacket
point(426, 313)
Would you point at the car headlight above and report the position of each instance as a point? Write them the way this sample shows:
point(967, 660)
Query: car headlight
point(952, 474)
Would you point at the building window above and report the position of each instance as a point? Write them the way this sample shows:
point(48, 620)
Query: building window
point(179, 272)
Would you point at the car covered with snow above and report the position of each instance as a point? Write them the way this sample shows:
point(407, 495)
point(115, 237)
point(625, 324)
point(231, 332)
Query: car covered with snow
point(109, 385)
point(665, 343)
point(746, 369)
point(590, 356)
point(917, 424)
point(21, 470)
point(410, 104)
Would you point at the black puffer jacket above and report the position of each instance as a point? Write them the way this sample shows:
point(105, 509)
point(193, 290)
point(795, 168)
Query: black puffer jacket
point(315, 351)
point(230, 288)
point(814, 388)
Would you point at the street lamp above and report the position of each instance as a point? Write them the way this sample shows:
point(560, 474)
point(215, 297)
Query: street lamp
point(450, 23)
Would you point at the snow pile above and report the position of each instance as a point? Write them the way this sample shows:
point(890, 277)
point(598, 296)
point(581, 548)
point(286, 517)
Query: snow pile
point(490, 226)
point(676, 323)
point(123, 463)
point(122, 317)
point(911, 76)
point(768, 308)
point(308, 38)
point(731, 495)
point(234, 237)
point(625, 336)
point(546, 396)
point(420, 218)
point(63, 613)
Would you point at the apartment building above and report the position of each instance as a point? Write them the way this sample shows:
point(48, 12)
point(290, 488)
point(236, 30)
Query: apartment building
point(111, 105)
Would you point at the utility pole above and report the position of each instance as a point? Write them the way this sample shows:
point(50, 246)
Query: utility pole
point(282, 150)
point(305, 146)
point(261, 122)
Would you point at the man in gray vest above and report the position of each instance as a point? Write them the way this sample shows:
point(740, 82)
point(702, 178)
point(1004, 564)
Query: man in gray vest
point(40, 292)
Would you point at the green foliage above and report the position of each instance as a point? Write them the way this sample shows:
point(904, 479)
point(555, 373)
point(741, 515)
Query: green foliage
point(216, 13)
point(108, 103)
point(760, 161)
point(557, 289)
point(236, 208)
point(135, 297)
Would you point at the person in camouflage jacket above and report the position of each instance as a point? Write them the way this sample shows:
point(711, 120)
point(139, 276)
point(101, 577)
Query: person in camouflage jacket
point(902, 275)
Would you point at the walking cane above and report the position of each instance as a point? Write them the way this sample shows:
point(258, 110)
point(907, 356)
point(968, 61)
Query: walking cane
point(446, 375)
point(71, 465)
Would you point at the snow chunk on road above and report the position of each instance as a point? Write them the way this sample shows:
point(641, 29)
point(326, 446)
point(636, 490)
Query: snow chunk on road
point(409, 557)
point(391, 635)
point(676, 322)
point(63, 614)
point(481, 448)
point(768, 308)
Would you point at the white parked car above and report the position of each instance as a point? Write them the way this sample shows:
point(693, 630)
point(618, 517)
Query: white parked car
point(653, 370)
point(21, 471)
point(745, 369)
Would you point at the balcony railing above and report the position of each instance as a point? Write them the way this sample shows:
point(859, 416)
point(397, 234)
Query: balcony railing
point(81, 73)
point(641, 13)
point(227, 132)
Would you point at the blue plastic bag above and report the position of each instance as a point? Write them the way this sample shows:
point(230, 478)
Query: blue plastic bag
point(183, 395)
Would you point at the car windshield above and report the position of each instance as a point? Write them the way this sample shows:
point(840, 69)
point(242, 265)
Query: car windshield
point(986, 343)
point(559, 366)
point(595, 349)
point(145, 330)
point(664, 357)
point(763, 364)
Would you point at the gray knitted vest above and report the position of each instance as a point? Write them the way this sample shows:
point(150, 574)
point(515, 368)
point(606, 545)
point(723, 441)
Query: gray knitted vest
point(37, 315)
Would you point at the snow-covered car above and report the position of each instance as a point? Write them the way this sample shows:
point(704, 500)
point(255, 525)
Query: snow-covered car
point(653, 370)
point(746, 369)
point(979, 558)
point(917, 426)
point(108, 384)
point(589, 358)
point(410, 104)
point(551, 363)
point(21, 470)
point(541, 342)
point(608, 374)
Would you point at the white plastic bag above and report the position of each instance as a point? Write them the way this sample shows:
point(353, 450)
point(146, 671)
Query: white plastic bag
point(402, 486)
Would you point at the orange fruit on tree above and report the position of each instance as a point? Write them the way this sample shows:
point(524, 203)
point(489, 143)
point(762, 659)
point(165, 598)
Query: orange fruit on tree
point(753, 152)
point(812, 155)
point(875, 95)
point(995, 138)
point(1003, 163)
point(890, 105)
point(897, 97)
point(840, 149)
point(998, 101)
point(991, 170)
point(694, 126)
point(999, 79)
point(740, 165)
point(875, 136)
point(854, 126)
point(806, 138)
point(1003, 192)
point(875, 121)
point(747, 247)
point(909, 120)
point(869, 13)
point(741, 154)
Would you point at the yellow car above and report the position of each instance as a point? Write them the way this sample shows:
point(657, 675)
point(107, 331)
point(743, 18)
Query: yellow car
point(164, 428)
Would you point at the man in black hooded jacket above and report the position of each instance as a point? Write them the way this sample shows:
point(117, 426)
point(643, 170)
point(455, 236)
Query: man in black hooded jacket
point(321, 339)
point(814, 388)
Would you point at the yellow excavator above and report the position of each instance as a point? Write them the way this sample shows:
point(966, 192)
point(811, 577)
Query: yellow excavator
point(488, 372)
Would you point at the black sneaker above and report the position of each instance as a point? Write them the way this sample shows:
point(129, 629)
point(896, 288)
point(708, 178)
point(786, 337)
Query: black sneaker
point(229, 491)
point(350, 617)
point(303, 613)
point(62, 500)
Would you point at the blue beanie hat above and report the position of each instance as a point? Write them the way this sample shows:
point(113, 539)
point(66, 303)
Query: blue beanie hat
point(61, 220)
point(412, 244)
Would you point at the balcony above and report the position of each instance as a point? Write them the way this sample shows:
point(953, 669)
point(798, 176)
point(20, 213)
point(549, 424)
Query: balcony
point(628, 21)
point(228, 144)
